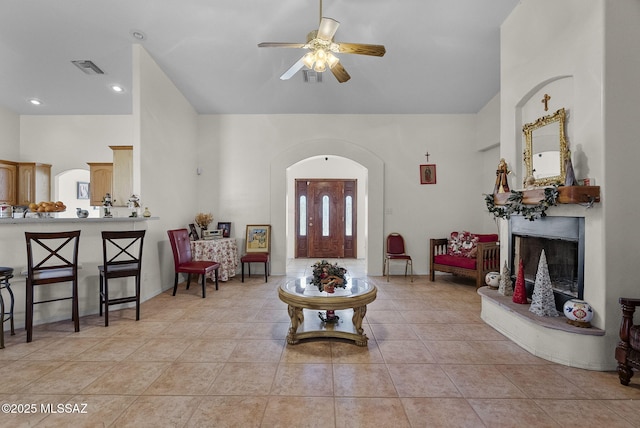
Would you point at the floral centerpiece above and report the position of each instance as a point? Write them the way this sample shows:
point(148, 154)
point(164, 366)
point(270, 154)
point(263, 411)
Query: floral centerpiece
point(203, 220)
point(327, 276)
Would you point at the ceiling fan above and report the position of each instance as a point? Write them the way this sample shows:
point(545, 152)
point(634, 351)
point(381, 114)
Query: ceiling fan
point(322, 47)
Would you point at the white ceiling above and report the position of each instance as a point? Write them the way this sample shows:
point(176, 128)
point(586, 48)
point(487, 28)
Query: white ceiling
point(442, 55)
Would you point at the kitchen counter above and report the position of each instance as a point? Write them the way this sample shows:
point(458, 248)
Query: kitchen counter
point(59, 220)
point(13, 253)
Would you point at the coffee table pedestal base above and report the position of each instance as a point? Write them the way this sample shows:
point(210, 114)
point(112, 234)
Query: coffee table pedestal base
point(305, 324)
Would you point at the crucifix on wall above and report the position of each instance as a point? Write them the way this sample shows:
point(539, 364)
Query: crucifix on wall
point(545, 101)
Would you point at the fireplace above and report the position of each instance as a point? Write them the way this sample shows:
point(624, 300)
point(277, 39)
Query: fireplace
point(562, 239)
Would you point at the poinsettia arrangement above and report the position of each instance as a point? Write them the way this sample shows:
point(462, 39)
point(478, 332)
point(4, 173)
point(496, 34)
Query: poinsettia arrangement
point(327, 275)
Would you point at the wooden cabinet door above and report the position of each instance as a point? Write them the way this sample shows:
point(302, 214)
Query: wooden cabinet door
point(101, 182)
point(8, 175)
point(122, 175)
point(34, 182)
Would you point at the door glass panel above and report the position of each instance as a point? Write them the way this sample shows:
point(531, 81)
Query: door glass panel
point(325, 215)
point(303, 216)
point(348, 220)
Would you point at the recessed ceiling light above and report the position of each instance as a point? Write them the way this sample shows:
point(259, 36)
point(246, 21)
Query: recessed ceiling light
point(138, 35)
point(35, 101)
point(117, 88)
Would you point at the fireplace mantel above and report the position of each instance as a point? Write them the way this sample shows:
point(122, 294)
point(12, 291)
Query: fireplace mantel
point(566, 195)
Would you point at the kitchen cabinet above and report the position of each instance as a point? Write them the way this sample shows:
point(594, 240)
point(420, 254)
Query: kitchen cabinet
point(101, 181)
point(122, 175)
point(34, 182)
point(8, 177)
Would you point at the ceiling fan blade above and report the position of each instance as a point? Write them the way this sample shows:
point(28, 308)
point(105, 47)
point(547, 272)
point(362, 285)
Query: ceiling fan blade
point(327, 29)
point(280, 45)
point(361, 49)
point(340, 73)
point(293, 70)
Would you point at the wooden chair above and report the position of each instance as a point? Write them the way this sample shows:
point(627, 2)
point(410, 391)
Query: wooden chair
point(121, 258)
point(6, 273)
point(396, 251)
point(628, 350)
point(256, 258)
point(52, 257)
point(184, 263)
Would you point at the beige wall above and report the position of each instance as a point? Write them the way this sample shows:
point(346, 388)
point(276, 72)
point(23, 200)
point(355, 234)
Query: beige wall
point(9, 135)
point(245, 148)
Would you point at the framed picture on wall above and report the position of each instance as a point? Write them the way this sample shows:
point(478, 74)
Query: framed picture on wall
point(83, 190)
point(258, 239)
point(225, 227)
point(428, 174)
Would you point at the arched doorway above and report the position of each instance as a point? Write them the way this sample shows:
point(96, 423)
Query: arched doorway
point(372, 236)
point(327, 167)
point(65, 189)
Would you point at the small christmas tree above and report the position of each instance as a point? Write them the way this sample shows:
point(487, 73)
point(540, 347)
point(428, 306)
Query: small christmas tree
point(520, 293)
point(506, 285)
point(542, 301)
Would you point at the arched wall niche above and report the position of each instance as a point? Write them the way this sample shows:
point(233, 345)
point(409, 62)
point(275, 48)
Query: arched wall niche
point(531, 107)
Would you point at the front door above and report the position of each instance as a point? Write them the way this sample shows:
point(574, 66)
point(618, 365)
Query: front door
point(325, 218)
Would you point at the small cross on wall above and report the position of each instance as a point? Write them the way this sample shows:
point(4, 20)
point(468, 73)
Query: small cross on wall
point(545, 101)
point(427, 155)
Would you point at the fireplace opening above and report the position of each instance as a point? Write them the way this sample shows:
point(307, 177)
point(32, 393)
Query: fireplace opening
point(562, 239)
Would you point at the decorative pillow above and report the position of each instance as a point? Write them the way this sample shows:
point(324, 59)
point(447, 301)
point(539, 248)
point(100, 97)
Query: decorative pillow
point(462, 244)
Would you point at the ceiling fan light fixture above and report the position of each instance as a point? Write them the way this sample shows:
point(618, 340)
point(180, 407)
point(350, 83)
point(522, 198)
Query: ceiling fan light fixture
point(309, 59)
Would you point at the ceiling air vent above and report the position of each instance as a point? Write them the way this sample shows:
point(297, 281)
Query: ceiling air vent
point(87, 66)
point(311, 76)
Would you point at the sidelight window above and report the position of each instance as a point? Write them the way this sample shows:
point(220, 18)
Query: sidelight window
point(348, 216)
point(325, 215)
point(303, 216)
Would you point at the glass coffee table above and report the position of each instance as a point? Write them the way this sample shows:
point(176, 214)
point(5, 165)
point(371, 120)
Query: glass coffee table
point(349, 304)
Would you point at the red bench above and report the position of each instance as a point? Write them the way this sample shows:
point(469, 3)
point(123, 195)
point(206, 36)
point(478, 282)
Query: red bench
point(466, 254)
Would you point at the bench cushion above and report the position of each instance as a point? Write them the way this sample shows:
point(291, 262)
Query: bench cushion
point(457, 261)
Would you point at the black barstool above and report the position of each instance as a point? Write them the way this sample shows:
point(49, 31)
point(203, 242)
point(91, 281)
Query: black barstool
point(6, 274)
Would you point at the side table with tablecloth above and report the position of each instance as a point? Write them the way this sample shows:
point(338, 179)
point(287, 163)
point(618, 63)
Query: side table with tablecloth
point(223, 251)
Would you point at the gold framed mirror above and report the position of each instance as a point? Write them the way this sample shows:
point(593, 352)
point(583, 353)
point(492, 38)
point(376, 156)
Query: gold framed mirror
point(546, 150)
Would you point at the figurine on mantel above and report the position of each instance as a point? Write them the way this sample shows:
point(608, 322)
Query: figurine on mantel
point(502, 182)
point(529, 183)
point(570, 175)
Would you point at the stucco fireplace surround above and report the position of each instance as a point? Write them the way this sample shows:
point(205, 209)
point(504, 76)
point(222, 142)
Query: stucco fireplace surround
point(564, 239)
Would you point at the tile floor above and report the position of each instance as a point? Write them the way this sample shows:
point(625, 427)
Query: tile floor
point(223, 362)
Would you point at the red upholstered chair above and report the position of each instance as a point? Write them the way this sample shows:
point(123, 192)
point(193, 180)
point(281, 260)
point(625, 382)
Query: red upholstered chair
point(396, 251)
point(256, 258)
point(52, 257)
point(183, 262)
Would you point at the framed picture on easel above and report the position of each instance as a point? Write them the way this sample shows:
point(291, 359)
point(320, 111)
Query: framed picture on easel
point(428, 174)
point(258, 238)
